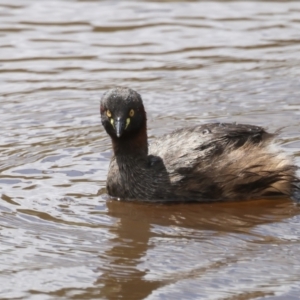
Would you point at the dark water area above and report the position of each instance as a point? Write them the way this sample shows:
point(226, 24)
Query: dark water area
point(61, 237)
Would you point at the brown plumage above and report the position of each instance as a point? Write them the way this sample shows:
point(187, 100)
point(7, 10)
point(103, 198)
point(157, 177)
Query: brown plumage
point(212, 162)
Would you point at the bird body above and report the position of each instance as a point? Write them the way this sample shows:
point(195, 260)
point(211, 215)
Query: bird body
point(210, 162)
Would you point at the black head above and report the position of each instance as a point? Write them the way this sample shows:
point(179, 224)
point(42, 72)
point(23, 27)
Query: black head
point(122, 113)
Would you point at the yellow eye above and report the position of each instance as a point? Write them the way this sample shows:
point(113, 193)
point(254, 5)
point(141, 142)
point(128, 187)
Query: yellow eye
point(108, 113)
point(131, 113)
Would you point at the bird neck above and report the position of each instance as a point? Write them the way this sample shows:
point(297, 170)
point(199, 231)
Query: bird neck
point(135, 145)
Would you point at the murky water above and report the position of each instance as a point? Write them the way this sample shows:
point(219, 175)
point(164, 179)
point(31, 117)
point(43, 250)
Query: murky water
point(193, 62)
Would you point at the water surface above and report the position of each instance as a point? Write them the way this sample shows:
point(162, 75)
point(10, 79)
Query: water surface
point(61, 237)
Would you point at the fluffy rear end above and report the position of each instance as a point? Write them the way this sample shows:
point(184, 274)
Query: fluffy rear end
point(256, 170)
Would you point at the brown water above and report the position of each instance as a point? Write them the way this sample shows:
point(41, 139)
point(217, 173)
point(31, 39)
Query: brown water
point(193, 62)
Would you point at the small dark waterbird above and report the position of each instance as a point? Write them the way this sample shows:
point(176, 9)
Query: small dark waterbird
point(211, 162)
